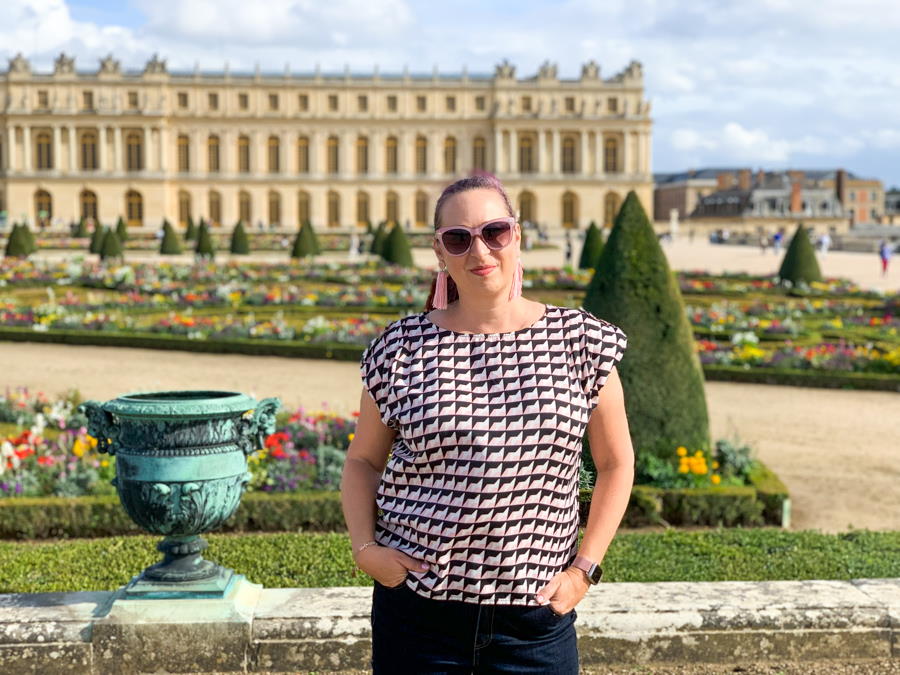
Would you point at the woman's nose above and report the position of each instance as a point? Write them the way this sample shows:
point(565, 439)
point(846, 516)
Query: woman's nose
point(478, 242)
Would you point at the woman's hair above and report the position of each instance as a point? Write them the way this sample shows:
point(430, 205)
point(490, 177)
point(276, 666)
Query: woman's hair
point(479, 181)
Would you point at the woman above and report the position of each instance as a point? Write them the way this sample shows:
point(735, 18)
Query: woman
point(470, 529)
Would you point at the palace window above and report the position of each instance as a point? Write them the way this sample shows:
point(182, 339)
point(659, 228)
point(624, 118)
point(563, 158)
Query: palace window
point(43, 100)
point(526, 154)
point(569, 210)
point(303, 154)
point(334, 209)
point(303, 210)
point(243, 101)
point(89, 153)
point(569, 103)
point(391, 155)
point(44, 151)
point(362, 103)
point(244, 210)
point(332, 102)
point(362, 208)
point(421, 209)
point(421, 104)
point(273, 101)
point(479, 103)
point(134, 209)
point(213, 100)
point(184, 153)
point(421, 154)
point(182, 99)
point(184, 207)
point(450, 155)
point(133, 100)
point(274, 208)
point(303, 102)
point(479, 153)
point(392, 103)
point(526, 104)
point(43, 206)
point(87, 200)
point(611, 155)
point(392, 207)
point(568, 155)
point(526, 207)
point(451, 104)
point(333, 148)
point(273, 147)
point(610, 208)
point(134, 151)
point(243, 150)
point(612, 104)
point(212, 148)
point(362, 155)
point(215, 208)
point(87, 101)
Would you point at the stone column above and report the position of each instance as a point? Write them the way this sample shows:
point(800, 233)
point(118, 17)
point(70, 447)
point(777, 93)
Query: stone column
point(347, 152)
point(584, 154)
point(55, 160)
point(555, 164)
point(102, 158)
point(435, 155)
point(26, 144)
point(72, 149)
point(10, 148)
point(404, 167)
point(287, 159)
point(163, 149)
point(117, 149)
point(148, 148)
point(258, 163)
point(539, 152)
point(315, 158)
point(513, 151)
point(376, 161)
point(598, 153)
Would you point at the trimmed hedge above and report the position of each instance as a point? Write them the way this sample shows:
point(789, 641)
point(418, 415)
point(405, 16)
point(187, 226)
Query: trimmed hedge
point(43, 517)
point(291, 560)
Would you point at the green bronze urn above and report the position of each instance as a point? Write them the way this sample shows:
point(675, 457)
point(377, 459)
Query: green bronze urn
point(181, 468)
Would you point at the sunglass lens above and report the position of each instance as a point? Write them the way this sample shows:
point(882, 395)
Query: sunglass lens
point(457, 241)
point(496, 235)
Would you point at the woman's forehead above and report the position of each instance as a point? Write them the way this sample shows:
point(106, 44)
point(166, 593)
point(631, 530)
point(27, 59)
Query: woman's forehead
point(473, 207)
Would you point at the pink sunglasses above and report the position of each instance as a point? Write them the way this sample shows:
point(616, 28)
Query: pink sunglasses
point(457, 240)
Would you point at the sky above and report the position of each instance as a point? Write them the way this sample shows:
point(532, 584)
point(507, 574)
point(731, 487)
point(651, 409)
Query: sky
point(767, 84)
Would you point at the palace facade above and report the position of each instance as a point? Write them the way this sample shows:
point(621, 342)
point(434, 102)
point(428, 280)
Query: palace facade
point(338, 150)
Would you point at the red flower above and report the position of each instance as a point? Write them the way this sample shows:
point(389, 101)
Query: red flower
point(278, 453)
point(44, 460)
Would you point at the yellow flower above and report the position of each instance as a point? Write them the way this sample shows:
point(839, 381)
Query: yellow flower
point(78, 447)
point(699, 453)
point(92, 441)
point(716, 479)
point(104, 462)
point(682, 451)
point(351, 436)
point(683, 468)
point(715, 465)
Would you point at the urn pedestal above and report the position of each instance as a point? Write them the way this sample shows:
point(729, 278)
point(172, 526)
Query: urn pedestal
point(181, 469)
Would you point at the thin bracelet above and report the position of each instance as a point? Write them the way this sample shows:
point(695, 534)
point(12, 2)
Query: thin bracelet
point(365, 546)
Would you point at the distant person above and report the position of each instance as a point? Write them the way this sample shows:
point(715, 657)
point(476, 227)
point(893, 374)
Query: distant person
point(568, 248)
point(776, 242)
point(691, 236)
point(884, 252)
point(763, 243)
point(825, 243)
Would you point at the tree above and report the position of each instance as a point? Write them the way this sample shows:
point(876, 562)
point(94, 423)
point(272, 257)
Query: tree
point(378, 239)
point(170, 244)
point(97, 238)
point(190, 234)
point(313, 237)
point(303, 245)
point(592, 248)
point(204, 247)
point(239, 243)
point(27, 238)
point(111, 249)
point(81, 230)
point(799, 263)
point(396, 248)
point(15, 246)
point(121, 230)
point(661, 374)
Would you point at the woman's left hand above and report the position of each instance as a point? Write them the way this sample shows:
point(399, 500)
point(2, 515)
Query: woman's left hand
point(564, 591)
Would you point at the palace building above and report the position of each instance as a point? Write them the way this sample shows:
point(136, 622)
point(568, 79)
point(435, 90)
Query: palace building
point(336, 149)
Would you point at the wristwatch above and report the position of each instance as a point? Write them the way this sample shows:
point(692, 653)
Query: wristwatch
point(591, 570)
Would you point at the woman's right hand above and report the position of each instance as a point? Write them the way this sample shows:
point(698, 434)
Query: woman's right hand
point(387, 565)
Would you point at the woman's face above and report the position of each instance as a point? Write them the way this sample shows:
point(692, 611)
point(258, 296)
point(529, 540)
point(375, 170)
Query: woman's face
point(470, 209)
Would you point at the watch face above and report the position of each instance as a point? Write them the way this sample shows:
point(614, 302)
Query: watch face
point(595, 573)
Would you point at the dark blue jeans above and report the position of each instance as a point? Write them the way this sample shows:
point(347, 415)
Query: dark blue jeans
point(416, 635)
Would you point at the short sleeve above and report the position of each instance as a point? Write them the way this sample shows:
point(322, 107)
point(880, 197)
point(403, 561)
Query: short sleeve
point(375, 368)
point(603, 347)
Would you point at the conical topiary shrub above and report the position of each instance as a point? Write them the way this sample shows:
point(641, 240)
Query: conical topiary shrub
point(369, 228)
point(303, 246)
point(190, 234)
point(28, 238)
point(170, 244)
point(378, 239)
point(592, 248)
point(239, 243)
point(121, 230)
point(313, 237)
point(111, 249)
point(82, 229)
point(16, 247)
point(97, 238)
point(661, 375)
point(799, 263)
point(204, 247)
point(396, 248)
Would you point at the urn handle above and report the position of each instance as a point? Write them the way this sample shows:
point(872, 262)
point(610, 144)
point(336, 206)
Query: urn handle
point(256, 426)
point(101, 425)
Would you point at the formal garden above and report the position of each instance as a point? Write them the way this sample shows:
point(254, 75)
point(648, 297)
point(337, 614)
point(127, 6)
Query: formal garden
point(59, 509)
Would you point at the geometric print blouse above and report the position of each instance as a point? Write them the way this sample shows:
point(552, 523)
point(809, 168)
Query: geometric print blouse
point(482, 479)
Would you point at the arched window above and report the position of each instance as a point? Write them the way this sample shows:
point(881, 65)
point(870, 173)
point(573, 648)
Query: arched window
point(611, 155)
point(303, 155)
point(526, 154)
point(390, 159)
point(421, 154)
point(184, 207)
point(215, 208)
point(134, 209)
point(334, 209)
point(611, 205)
point(43, 155)
point(184, 153)
point(392, 207)
point(568, 154)
point(134, 151)
point(274, 208)
point(243, 150)
point(421, 209)
point(526, 207)
point(43, 206)
point(303, 210)
point(273, 146)
point(212, 151)
point(450, 155)
point(333, 147)
point(88, 202)
point(89, 151)
point(479, 153)
point(569, 210)
point(362, 208)
point(244, 210)
point(362, 155)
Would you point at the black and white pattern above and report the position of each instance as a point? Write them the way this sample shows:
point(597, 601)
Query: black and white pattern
point(482, 481)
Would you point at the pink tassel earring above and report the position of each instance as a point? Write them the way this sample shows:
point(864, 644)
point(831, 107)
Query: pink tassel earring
point(440, 290)
point(516, 289)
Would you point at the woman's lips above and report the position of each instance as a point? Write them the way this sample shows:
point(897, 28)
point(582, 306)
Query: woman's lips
point(483, 271)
